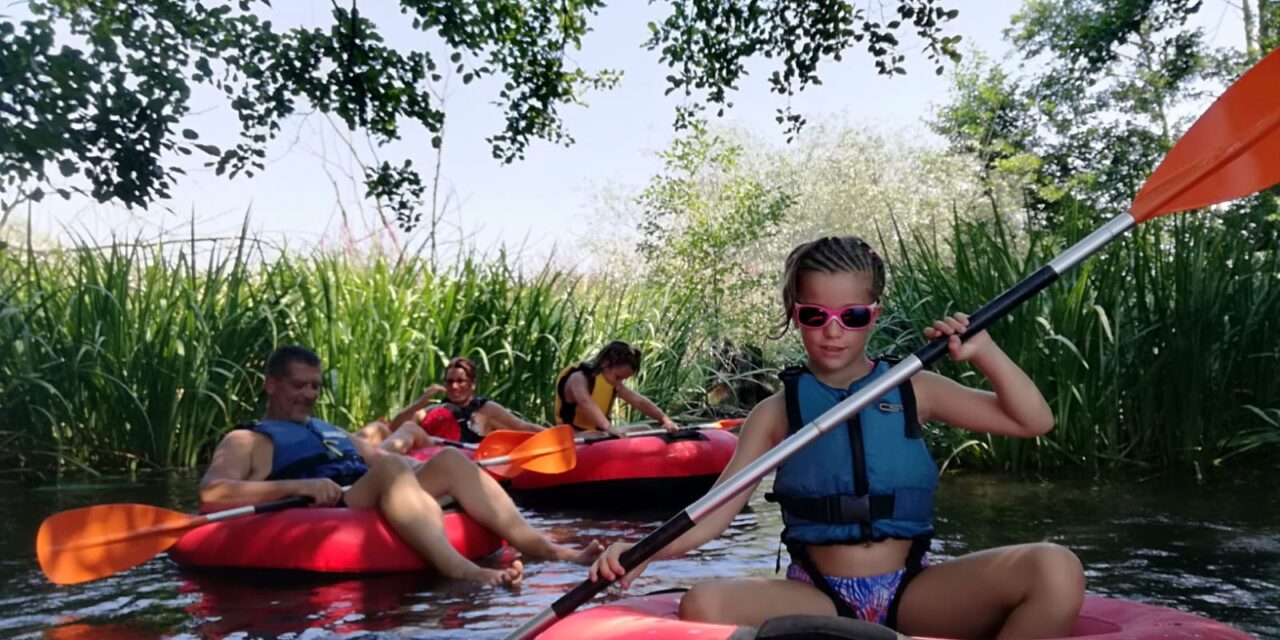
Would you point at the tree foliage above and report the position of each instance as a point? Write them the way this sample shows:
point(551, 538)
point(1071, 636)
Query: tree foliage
point(726, 209)
point(99, 93)
point(1106, 88)
point(699, 216)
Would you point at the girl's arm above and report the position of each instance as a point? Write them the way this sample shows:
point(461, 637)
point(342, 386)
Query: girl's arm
point(406, 414)
point(763, 429)
point(500, 418)
point(646, 406)
point(1016, 408)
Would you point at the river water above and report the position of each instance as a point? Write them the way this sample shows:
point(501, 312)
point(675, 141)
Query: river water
point(1211, 549)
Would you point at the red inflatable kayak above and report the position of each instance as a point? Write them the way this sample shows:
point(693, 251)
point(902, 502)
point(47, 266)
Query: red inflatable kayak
point(654, 616)
point(633, 473)
point(320, 540)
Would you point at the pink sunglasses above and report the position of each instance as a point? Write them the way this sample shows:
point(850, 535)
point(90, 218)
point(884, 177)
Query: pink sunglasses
point(855, 317)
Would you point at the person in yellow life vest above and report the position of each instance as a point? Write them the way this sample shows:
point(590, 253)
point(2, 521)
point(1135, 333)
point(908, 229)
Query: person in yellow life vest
point(585, 392)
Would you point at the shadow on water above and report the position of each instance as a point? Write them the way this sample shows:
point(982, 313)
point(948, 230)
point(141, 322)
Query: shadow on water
point(1208, 549)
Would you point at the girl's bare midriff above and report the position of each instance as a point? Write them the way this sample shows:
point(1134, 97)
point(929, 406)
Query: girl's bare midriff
point(860, 560)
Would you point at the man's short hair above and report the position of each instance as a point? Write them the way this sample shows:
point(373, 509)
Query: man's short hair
point(280, 359)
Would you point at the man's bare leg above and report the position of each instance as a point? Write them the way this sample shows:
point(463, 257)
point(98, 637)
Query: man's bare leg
point(407, 437)
point(451, 473)
point(391, 487)
point(375, 432)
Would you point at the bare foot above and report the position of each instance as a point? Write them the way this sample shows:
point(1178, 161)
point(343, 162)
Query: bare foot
point(509, 577)
point(587, 555)
point(514, 573)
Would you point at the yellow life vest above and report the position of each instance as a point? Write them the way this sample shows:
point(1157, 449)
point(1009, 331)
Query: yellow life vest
point(602, 394)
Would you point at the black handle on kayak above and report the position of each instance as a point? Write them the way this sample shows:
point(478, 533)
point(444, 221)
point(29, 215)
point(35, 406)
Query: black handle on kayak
point(287, 503)
point(282, 504)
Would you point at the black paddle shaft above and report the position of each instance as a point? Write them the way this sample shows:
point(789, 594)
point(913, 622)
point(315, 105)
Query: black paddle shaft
point(631, 558)
point(287, 503)
point(282, 504)
point(992, 311)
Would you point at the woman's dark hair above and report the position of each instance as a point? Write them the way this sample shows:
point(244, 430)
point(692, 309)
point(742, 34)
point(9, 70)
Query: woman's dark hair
point(615, 354)
point(280, 359)
point(464, 365)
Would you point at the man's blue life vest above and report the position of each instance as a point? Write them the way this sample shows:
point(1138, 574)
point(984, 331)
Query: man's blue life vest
point(871, 480)
point(314, 449)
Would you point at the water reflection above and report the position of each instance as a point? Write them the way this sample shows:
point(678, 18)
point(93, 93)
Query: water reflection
point(1211, 550)
point(274, 605)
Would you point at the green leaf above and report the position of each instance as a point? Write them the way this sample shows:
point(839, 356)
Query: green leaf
point(190, 134)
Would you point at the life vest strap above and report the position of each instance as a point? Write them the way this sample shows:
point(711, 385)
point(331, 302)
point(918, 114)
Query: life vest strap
point(903, 504)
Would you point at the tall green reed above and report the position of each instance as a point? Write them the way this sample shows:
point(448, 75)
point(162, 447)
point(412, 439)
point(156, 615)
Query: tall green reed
point(138, 355)
point(1150, 354)
point(119, 357)
point(1159, 351)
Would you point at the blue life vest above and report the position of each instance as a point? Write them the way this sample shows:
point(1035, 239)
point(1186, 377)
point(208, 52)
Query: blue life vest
point(314, 449)
point(872, 480)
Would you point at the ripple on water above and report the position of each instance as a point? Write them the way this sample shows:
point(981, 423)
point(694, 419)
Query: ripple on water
point(1133, 545)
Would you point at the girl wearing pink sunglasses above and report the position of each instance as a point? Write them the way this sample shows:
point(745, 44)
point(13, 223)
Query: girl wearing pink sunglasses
point(858, 503)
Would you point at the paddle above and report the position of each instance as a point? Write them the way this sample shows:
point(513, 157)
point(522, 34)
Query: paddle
point(720, 424)
point(94, 542)
point(1231, 151)
point(460, 444)
point(501, 440)
point(550, 451)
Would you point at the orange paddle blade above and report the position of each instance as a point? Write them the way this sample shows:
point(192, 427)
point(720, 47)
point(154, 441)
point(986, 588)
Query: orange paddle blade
point(500, 443)
point(551, 451)
point(732, 423)
point(94, 542)
point(1231, 151)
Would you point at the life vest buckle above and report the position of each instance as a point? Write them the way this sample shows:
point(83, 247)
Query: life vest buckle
point(849, 509)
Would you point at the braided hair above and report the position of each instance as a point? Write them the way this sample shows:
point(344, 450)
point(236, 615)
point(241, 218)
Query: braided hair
point(831, 255)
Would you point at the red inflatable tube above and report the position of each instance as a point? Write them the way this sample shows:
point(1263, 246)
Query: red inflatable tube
point(633, 472)
point(655, 617)
point(320, 540)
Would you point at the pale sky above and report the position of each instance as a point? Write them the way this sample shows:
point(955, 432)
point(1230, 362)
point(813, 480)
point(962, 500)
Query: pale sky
point(546, 200)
